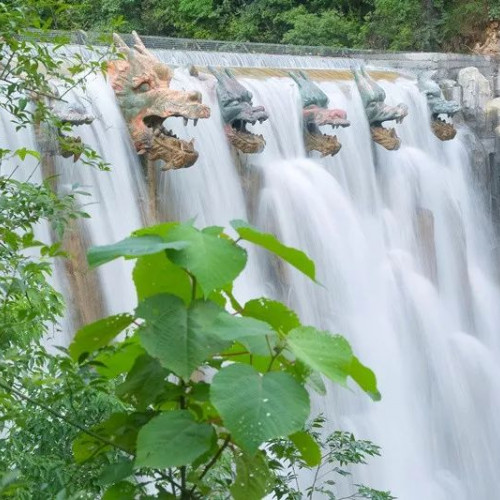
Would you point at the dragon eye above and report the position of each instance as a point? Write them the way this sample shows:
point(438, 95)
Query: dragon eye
point(143, 87)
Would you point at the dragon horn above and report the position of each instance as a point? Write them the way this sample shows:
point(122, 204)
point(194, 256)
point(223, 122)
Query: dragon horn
point(229, 73)
point(303, 75)
point(294, 76)
point(139, 44)
point(120, 44)
point(215, 72)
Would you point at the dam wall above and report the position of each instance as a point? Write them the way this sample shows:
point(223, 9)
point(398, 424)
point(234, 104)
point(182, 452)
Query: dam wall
point(476, 90)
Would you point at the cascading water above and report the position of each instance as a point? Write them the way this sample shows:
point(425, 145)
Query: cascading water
point(402, 245)
point(437, 368)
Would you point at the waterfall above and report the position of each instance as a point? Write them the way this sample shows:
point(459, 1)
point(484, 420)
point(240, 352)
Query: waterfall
point(403, 248)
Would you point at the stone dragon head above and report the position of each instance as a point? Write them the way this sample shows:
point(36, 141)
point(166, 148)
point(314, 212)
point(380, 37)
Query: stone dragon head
point(377, 112)
point(142, 86)
point(316, 114)
point(235, 102)
point(441, 110)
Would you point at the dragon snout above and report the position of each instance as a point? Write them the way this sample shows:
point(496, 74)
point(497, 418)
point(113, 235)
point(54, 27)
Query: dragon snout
point(402, 109)
point(340, 114)
point(194, 96)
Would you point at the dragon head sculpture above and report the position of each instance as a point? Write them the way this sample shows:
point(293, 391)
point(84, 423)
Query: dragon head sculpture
point(316, 114)
point(237, 111)
point(441, 109)
point(377, 112)
point(142, 86)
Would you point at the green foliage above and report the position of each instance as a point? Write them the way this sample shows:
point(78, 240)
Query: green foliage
point(40, 394)
point(254, 480)
point(172, 439)
point(36, 443)
point(369, 24)
point(29, 306)
point(258, 407)
point(28, 303)
point(331, 28)
point(332, 356)
point(294, 257)
point(204, 381)
point(337, 450)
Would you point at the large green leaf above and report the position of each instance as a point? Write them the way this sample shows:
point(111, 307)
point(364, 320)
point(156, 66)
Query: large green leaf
point(255, 407)
point(154, 274)
point(258, 337)
point(124, 490)
point(131, 247)
point(294, 257)
point(96, 335)
point(180, 337)
point(120, 359)
point(332, 356)
point(308, 447)
point(328, 354)
point(172, 439)
point(214, 261)
point(116, 472)
point(253, 479)
point(275, 313)
point(144, 383)
point(161, 229)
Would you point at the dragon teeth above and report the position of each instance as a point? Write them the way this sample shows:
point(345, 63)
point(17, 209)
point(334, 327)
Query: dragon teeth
point(185, 121)
point(195, 122)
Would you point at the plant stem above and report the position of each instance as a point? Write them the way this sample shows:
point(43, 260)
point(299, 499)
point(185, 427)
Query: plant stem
point(182, 402)
point(193, 291)
point(314, 481)
point(214, 459)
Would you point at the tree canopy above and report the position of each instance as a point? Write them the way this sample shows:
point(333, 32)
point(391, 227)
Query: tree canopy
point(419, 25)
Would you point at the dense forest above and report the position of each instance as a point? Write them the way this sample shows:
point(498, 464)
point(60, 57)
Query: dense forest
point(422, 25)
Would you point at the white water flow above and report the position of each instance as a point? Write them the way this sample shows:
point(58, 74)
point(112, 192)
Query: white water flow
point(432, 343)
point(421, 311)
point(431, 339)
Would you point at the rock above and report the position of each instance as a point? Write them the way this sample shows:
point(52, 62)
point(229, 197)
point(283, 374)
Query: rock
point(493, 115)
point(451, 90)
point(476, 93)
point(491, 45)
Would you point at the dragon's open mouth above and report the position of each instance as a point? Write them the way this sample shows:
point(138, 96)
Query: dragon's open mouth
point(443, 127)
point(386, 137)
point(334, 123)
point(326, 144)
point(165, 145)
point(244, 140)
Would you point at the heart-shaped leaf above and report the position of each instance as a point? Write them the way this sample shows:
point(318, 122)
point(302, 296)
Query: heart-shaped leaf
point(179, 336)
point(255, 407)
point(172, 439)
point(332, 356)
point(272, 312)
point(253, 479)
point(214, 261)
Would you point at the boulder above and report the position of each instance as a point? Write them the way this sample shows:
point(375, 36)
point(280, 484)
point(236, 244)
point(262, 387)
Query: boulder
point(476, 93)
